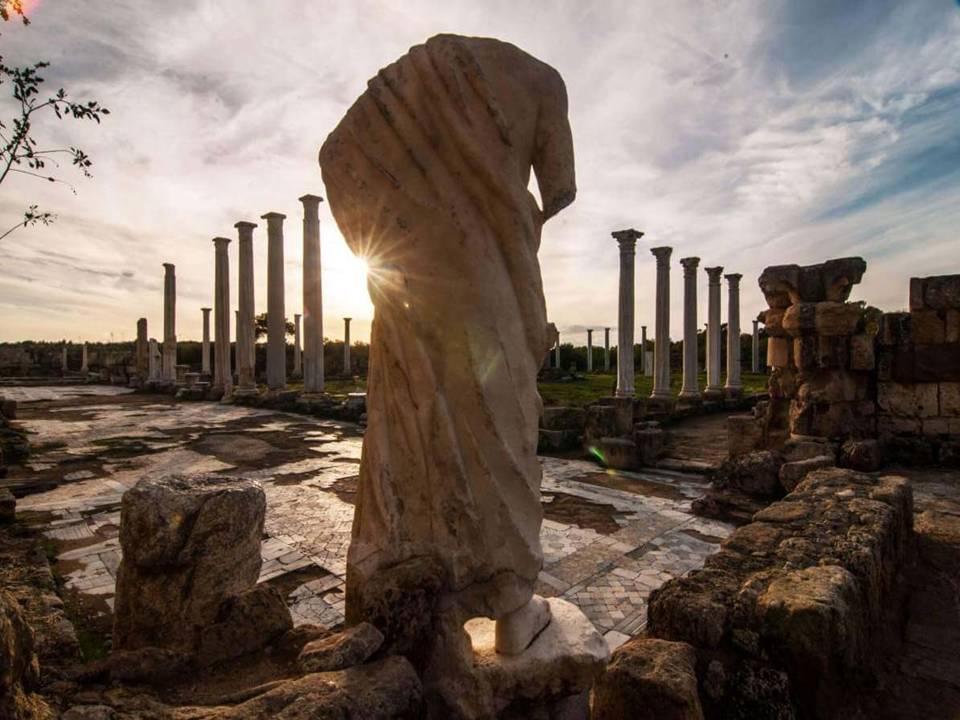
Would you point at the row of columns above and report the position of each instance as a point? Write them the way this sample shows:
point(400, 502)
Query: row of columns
point(690, 389)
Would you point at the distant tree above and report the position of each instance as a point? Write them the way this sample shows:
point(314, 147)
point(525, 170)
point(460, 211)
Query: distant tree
point(20, 152)
point(260, 325)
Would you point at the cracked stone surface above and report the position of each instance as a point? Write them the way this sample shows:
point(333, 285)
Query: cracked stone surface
point(609, 537)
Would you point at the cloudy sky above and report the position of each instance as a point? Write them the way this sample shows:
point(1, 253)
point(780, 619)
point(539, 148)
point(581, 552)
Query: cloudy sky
point(747, 133)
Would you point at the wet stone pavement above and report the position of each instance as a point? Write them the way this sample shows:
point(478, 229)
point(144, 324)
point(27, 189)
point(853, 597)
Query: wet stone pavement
point(609, 537)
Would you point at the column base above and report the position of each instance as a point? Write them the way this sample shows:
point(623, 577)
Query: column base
point(625, 393)
point(246, 392)
point(714, 393)
point(734, 391)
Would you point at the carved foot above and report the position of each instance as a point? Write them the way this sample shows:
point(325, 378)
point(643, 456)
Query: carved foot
point(515, 632)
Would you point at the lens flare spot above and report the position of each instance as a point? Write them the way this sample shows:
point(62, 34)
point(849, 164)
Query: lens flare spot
point(595, 451)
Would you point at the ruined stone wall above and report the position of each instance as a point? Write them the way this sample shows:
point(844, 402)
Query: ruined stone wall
point(918, 375)
point(820, 352)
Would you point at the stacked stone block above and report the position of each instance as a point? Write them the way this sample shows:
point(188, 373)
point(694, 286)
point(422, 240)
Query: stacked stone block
point(918, 375)
point(820, 351)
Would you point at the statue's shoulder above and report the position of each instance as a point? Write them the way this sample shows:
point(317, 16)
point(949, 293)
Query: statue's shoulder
point(497, 57)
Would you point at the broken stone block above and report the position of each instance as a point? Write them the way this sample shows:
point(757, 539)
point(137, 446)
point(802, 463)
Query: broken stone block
point(563, 418)
point(345, 649)
point(792, 473)
point(772, 320)
point(189, 543)
point(862, 352)
point(861, 455)
point(649, 679)
point(19, 669)
point(916, 400)
point(833, 352)
point(785, 285)
point(895, 329)
point(649, 443)
point(952, 326)
point(619, 453)
point(806, 354)
point(778, 352)
point(934, 363)
point(949, 399)
point(928, 327)
point(744, 434)
point(247, 622)
point(916, 294)
point(833, 318)
point(755, 473)
point(941, 292)
point(800, 319)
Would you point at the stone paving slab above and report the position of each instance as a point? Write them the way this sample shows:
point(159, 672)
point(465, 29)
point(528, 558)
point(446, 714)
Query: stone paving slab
point(615, 538)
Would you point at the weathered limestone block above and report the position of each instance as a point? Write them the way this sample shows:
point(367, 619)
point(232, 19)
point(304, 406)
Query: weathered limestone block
point(952, 326)
point(246, 623)
point(833, 352)
point(807, 590)
point(861, 455)
point(619, 453)
point(862, 355)
point(932, 363)
point(915, 400)
point(928, 327)
point(563, 418)
point(895, 329)
point(835, 420)
point(772, 319)
point(744, 434)
point(949, 399)
point(785, 285)
point(755, 473)
point(189, 545)
point(601, 422)
point(384, 690)
point(8, 503)
point(341, 650)
point(940, 292)
point(649, 679)
point(649, 438)
point(19, 669)
point(833, 386)
point(557, 440)
point(779, 352)
point(792, 473)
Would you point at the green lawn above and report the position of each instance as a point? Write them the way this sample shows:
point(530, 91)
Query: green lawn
point(588, 389)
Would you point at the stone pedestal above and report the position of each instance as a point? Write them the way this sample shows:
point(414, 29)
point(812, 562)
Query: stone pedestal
point(714, 389)
point(313, 371)
point(276, 317)
point(205, 344)
point(153, 367)
point(690, 391)
point(627, 240)
point(589, 350)
point(734, 385)
point(222, 375)
point(297, 360)
point(347, 364)
point(606, 349)
point(168, 370)
point(246, 334)
point(661, 348)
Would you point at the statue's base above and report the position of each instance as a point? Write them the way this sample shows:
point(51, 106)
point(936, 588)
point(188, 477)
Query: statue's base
point(552, 678)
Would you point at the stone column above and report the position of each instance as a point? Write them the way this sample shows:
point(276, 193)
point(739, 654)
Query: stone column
point(153, 361)
point(734, 386)
point(755, 348)
point(205, 345)
point(690, 389)
point(313, 380)
point(627, 239)
point(169, 370)
point(714, 389)
point(276, 317)
point(556, 353)
point(643, 349)
point(661, 347)
point(589, 350)
point(347, 370)
point(246, 335)
point(297, 368)
point(222, 377)
point(606, 349)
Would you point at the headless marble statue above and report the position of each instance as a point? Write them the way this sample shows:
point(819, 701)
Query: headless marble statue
point(427, 178)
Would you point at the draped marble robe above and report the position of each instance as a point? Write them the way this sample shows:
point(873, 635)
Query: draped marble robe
point(427, 178)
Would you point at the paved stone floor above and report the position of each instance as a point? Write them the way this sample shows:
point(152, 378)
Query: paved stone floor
point(609, 538)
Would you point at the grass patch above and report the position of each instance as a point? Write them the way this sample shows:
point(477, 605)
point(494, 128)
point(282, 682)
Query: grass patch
point(587, 389)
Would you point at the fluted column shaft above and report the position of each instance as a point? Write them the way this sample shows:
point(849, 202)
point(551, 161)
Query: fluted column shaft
point(347, 369)
point(296, 345)
point(643, 349)
point(556, 352)
point(205, 346)
point(276, 317)
point(733, 385)
point(755, 348)
point(661, 348)
point(690, 389)
point(606, 349)
point(714, 388)
point(169, 322)
point(627, 239)
point(222, 377)
point(313, 374)
point(246, 313)
point(153, 361)
point(589, 350)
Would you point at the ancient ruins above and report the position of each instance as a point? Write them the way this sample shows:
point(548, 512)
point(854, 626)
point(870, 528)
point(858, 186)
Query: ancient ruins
point(467, 518)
